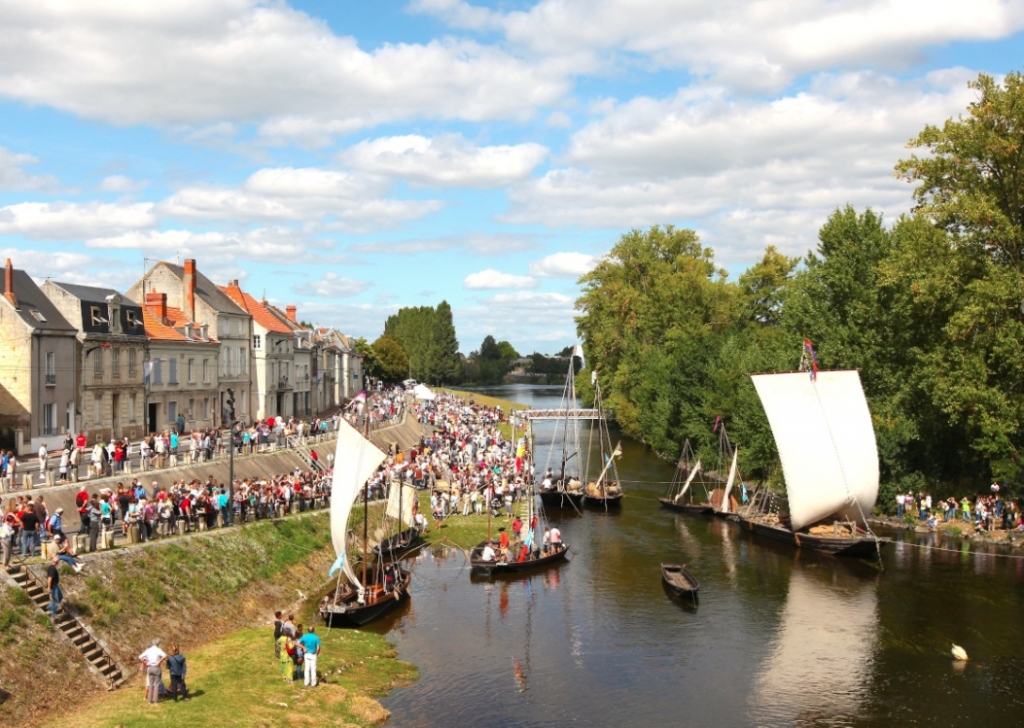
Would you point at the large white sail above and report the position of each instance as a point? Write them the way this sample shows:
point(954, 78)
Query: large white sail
point(726, 507)
point(826, 441)
point(355, 460)
point(400, 500)
point(689, 479)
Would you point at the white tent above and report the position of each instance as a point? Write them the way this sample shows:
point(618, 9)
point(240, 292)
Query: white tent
point(422, 391)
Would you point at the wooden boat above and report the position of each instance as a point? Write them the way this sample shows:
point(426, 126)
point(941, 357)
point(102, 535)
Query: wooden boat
point(679, 580)
point(567, 496)
point(564, 489)
point(606, 491)
point(676, 498)
point(344, 608)
point(382, 585)
point(398, 544)
point(534, 560)
point(826, 441)
point(399, 511)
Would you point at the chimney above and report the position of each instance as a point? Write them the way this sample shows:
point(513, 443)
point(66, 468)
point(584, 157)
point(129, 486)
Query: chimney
point(291, 310)
point(9, 284)
point(189, 298)
point(157, 302)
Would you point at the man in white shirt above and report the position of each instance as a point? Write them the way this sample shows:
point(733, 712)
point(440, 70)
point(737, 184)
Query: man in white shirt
point(488, 553)
point(153, 658)
point(556, 538)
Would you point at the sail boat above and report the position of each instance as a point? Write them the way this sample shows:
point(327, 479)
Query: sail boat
point(564, 489)
point(399, 512)
point(606, 491)
point(682, 479)
point(826, 441)
point(357, 599)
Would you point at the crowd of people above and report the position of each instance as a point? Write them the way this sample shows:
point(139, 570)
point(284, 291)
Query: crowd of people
point(296, 651)
point(985, 512)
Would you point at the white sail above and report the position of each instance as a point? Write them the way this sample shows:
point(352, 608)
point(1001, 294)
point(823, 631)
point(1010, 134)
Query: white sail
point(731, 480)
point(355, 460)
point(399, 505)
point(689, 479)
point(826, 441)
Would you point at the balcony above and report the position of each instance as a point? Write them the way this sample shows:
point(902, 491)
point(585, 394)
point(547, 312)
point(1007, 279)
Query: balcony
point(51, 380)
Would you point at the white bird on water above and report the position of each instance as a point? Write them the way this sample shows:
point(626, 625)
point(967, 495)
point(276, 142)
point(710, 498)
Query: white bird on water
point(959, 653)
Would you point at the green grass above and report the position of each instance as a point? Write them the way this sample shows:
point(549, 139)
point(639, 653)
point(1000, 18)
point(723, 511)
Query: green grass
point(463, 532)
point(236, 681)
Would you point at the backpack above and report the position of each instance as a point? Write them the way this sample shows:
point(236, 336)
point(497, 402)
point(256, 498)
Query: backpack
point(49, 524)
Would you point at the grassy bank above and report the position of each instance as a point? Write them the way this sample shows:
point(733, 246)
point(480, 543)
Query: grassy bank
point(195, 591)
point(236, 681)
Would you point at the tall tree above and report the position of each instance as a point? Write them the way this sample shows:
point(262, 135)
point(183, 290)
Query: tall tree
point(392, 361)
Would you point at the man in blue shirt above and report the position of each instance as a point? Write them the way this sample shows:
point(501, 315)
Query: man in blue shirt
point(311, 643)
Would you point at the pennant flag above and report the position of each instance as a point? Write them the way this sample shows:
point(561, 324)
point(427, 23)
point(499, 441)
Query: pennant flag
point(718, 421)
point(812, 359)
point(338, 564)
point(578, 351)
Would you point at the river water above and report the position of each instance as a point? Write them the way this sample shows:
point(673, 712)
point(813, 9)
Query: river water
point(779, 637)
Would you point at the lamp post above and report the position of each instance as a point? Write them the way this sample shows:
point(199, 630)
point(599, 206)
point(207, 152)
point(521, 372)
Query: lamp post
point(231, 461)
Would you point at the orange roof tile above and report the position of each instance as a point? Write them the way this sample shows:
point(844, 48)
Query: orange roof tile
point(259, 311)
point(156, 329)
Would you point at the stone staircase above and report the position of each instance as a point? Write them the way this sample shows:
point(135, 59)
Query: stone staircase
point(97, 656)
point(305, 453)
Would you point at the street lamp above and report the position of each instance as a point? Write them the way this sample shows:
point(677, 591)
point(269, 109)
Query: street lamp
point(231, 461)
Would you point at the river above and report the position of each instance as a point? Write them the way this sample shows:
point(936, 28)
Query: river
point(779, 637)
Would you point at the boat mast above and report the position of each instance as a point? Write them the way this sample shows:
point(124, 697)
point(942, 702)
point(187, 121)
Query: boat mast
point(366, 500)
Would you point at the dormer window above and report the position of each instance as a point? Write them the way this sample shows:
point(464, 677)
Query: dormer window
point(96, 315)
point(133, 319)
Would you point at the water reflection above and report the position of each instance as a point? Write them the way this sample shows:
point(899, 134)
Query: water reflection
point(820, 661)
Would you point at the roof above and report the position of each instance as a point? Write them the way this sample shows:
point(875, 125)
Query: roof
point(157, 330)
point(207, 290)
point(259, 311)
point(31, 298)
point(91, 293)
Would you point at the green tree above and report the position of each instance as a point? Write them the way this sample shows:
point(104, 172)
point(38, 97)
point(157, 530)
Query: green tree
point(391, 359)
point(971, 185)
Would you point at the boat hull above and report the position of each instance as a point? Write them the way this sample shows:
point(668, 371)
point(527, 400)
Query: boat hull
point(691, 508)
point(679, 581)
point(552, 498)
point(349, 613)
point(398, 544)
point(605, 501)
point(498, 568)
point(855, 547)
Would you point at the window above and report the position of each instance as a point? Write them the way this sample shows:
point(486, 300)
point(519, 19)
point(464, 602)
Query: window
point(51, 368)
point(97, 408)
point(206, 407)
point(257, 341)
point(172, 375)
point(96, 315)
point(133, 319)
point(191, 409)
point(97, 363)
point(115, 362)
point(206, 371)
point(242, 360)
point(37, 315)
point(172, 410)
point(131, 362)
point(158, 373)
point(49, 419)
point(131, 407)
point(191, 373)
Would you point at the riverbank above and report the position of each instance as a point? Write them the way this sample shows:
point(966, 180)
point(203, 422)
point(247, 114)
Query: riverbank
point(197, 592)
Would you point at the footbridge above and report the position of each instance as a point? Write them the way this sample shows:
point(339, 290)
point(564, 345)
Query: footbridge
point(560, 414)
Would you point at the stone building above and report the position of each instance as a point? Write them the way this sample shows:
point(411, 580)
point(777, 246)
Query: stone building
point(182, 369)
point(204, 303)
point(38, 391)
point(109, 359)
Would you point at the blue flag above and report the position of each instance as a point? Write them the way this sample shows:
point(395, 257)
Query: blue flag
point(339, 562)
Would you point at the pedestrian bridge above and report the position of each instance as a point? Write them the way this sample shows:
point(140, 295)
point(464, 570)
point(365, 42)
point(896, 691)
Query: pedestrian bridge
point(560, 414)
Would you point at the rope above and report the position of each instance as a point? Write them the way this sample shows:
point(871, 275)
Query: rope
point(959, 551)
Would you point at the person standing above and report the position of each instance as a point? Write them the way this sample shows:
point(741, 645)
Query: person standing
point(177, 668)
point(42, 462)
point(152, 659)
point(53, 587)
point(311, 643)
point(94, 515)
point(278, 631)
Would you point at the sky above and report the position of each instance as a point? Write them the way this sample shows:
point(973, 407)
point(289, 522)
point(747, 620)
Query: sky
point(353, 158)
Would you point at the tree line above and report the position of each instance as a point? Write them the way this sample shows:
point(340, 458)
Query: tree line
point(930, 309)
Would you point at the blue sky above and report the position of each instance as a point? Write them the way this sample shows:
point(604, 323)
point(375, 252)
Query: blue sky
point(352, 158)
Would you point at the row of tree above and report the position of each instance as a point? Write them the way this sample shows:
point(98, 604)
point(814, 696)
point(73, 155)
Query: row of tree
point(417, 343)
point(930, 310)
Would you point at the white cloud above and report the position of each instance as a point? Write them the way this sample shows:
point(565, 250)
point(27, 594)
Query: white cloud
point(13, 177)
point(121, 183)
point(491, 279)
point(72, 221)
point(707, 159)
point(342, 200)
point(563, 265)
point(264, 244)
point(331, 285)
point(527, 318)
point(243, 61)
point(755, 46)
point(559, 120)
point(448, 160)
point(474, 242)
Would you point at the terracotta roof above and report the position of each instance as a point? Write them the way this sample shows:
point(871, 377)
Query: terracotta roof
point(258, 310)
point(157, 330)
